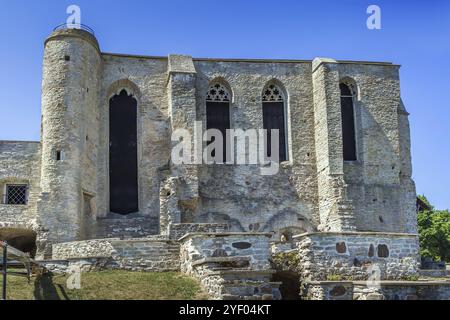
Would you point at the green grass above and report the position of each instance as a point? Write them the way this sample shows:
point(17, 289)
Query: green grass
point(107, 285)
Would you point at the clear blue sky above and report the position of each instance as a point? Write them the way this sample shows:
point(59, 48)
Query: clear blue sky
point(415, 34)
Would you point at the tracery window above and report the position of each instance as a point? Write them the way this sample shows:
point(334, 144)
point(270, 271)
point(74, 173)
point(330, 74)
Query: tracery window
point(218, 93)
point(274, 118)
point(218, 113)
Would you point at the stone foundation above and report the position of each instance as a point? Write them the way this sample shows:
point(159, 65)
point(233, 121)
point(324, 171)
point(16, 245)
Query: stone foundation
point(133, 254)
point(327, 290)
point(230, 265)
point(384, 290)
point(403, 290)
point(356, 255)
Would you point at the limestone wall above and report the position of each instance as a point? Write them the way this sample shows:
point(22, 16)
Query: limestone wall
point(379, 183)
point(404, 290)
point(358, 256)
point(199, 246)
point(70, 88)
point(314, 190)
point(383, 290)
point(19, 164)
point(145, 79)
point(240, 194)
point(133, 254)
point(230, 265)
point(327, 290)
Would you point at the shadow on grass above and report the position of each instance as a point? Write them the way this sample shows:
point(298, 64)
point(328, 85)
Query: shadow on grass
point(45, 289)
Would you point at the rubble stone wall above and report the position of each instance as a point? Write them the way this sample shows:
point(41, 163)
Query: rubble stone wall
point(356, 256)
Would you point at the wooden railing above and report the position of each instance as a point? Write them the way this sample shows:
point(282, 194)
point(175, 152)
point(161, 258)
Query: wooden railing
point(13, 258)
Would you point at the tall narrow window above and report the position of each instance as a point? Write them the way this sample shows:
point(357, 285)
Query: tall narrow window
point(218, 113)
point(123, 156)
point(274, 118)
point(348, 123)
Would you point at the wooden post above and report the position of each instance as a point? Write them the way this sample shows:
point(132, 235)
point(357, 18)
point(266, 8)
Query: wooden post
point(4, 269)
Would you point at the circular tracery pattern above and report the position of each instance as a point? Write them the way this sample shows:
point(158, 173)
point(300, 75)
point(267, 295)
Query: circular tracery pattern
point(218, 93)
point(273, 94)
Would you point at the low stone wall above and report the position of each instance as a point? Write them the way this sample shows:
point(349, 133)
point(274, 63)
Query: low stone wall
point(403, 290)
point(383, 290)
point(197, 246)
point(133, 254)
point(433, 273)
point(230, 265)
point(84, 265)
point(327, 290)
point(358, 255)
point(83, 249)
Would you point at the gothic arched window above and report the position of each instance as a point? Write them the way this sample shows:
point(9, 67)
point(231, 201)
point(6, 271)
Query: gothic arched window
point(123, 154)
point(274, 118)
point(348, 122)
point(218, 112)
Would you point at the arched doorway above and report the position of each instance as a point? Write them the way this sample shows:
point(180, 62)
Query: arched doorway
point(123, 171)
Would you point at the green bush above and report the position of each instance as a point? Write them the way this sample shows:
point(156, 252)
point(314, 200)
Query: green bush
point(434, 233)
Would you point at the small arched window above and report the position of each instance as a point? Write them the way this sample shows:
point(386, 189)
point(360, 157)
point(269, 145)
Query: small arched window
point(218, 112)
point(348, 123)
point(274, 118)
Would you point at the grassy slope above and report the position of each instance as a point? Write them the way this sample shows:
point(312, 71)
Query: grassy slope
point(107, 285)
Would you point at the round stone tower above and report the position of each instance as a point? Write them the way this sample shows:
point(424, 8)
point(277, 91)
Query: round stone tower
point(70, 89)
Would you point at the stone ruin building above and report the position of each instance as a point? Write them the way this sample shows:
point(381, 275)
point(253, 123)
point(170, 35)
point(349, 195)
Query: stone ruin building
point(100, 189)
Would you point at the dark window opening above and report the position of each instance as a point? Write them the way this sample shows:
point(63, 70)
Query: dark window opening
point(348, 124)
point(123, 172)
point(67, 58)
point(59, 155)
point(218, 100)
point(274, 119)
point(218, 117)
point(16, 194)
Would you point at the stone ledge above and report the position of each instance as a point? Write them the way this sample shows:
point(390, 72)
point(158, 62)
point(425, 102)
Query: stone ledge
point(222, 235)
point(221, 259)
point(241, 272)
point(326, 282)
point(355, 233)
point(137, 240)
point(68, 260)
point(110, 240)
point(405, 283)
point(382, 283)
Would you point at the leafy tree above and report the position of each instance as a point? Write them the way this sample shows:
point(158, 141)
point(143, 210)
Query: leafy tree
point(434, 232)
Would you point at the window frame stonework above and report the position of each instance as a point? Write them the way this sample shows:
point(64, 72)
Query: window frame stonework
point(21, 200)
point(273, 93)
point(217, 92)
point(350, 96)
point(219, 96)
